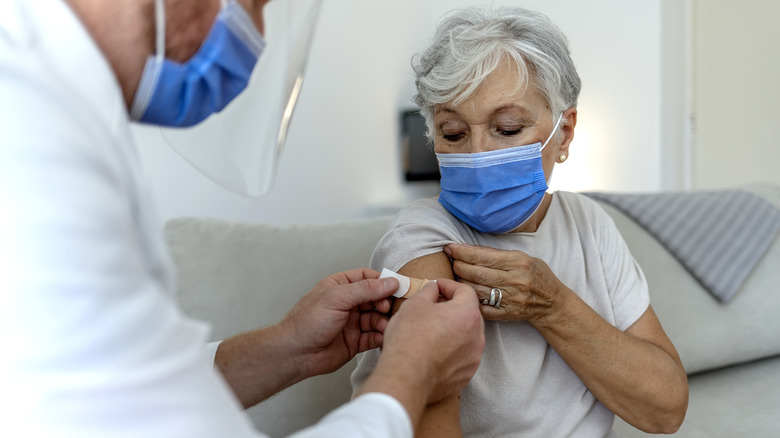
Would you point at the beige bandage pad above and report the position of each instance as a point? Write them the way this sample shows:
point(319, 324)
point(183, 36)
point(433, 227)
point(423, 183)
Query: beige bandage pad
point(408, 286)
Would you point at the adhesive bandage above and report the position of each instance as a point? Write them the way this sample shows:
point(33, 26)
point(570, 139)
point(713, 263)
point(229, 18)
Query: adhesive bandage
point(407, 286)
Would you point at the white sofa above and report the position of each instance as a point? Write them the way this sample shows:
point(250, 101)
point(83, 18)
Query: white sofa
point(240, 276)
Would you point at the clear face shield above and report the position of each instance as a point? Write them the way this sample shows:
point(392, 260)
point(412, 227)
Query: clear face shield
point(239, 148)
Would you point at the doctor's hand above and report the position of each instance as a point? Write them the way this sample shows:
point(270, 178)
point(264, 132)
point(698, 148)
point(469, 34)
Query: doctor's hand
point(432, 347)
point(343, 315)
point(529, 289)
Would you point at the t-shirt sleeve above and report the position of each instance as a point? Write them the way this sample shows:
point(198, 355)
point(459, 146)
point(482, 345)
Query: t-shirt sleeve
point(420, 229)
point(626, 282)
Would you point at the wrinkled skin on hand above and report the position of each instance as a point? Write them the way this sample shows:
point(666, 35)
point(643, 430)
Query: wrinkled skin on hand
point(530, 290)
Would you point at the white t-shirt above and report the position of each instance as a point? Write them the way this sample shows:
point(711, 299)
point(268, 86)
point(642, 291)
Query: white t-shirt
point(95, 345)
point(523, 387)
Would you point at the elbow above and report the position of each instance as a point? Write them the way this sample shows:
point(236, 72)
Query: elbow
point(666, 423)
point(669, 413)
point(671, 423)
point(669, 419)
point(675, 417)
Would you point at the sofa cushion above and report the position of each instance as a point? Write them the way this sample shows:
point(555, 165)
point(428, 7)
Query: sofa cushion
point(738, 401)
point(709, 334)
point(242, 276)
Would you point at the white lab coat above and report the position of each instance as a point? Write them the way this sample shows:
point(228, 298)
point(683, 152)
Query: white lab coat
point(94, 343)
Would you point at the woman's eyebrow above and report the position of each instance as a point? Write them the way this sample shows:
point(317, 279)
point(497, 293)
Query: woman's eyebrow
point(443, 109)
point(496, 110)
point(512, 107)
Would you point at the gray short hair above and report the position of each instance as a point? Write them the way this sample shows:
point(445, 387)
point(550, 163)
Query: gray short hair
point(470, 43)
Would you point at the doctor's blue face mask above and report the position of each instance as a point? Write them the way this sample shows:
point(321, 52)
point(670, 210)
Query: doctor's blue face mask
point(173, 94)
point(495, 191)
point(239, 144)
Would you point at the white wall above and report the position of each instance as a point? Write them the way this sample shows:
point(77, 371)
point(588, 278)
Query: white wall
point(736, 58)
point(342, 156)
point(676, 96)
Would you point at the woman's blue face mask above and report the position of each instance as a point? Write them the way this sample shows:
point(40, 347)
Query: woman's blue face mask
point(496, 191)
point(173, 94)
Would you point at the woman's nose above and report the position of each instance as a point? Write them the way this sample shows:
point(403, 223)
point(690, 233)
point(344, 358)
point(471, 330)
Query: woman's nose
point(480, 141)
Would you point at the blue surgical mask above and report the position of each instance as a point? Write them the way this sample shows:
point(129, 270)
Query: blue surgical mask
point(173, 94)
point(496, 191)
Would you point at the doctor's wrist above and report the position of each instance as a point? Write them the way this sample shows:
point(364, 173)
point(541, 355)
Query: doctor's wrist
point(398, 377)
point(258, 364)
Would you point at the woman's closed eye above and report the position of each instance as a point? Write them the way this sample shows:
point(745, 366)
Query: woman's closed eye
point(509, 132)
point(453, 137)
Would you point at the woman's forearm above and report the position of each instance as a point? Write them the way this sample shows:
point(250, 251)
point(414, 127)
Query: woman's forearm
point(636, 374)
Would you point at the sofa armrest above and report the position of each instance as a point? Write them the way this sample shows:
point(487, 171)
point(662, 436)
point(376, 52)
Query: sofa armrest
point(706, 333)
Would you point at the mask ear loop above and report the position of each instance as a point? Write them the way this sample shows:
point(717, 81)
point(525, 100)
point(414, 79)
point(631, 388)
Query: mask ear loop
point(153, 66)
point(555, 129)
point(546, 180)
point(159, 29)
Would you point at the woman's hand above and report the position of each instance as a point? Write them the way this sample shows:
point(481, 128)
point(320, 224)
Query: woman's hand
point(636, 373)
point(529, 289)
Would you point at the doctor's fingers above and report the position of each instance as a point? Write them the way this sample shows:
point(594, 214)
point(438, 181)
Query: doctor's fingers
point(455, 291)
point(377, 291)
point(353, 276)
point(351, 289)
point(370, 340)
point(373, 321)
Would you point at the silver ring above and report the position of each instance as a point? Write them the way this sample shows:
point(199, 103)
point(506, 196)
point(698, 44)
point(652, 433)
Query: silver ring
point(496, 303)
point(492, 301)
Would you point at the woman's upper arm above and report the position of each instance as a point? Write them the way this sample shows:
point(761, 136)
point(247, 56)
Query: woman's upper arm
point(442, 418)
point(428, 267)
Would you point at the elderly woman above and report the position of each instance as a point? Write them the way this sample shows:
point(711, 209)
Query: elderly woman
point(571, 337)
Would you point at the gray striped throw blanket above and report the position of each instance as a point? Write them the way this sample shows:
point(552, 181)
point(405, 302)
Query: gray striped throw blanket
point(718, 236)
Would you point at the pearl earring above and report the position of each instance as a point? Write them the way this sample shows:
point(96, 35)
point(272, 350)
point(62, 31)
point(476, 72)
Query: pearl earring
point(562, 158)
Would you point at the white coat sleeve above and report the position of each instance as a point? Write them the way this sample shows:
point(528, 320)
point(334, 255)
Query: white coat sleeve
point(370, 415)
